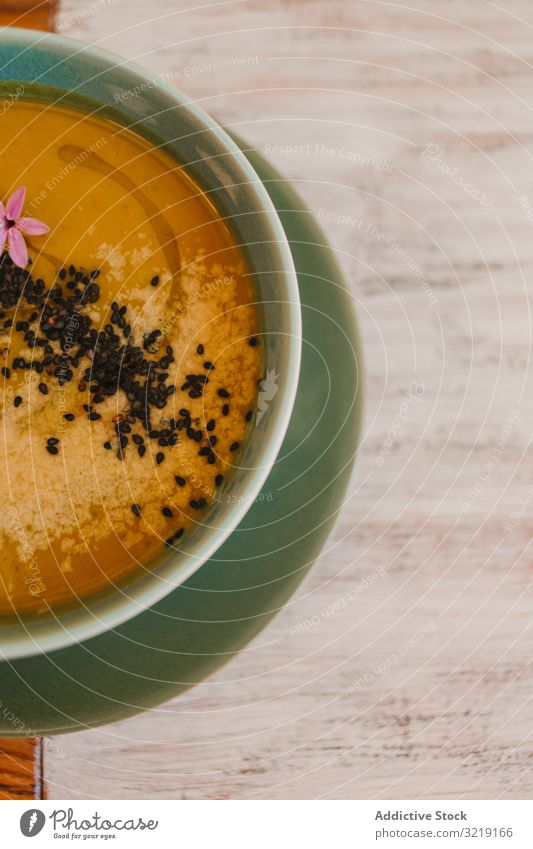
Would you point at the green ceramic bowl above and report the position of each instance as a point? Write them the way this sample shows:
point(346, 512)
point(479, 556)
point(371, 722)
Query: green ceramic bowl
point(61, 70)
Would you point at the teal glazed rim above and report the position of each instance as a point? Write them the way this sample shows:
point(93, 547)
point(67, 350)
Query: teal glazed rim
point(164, 116)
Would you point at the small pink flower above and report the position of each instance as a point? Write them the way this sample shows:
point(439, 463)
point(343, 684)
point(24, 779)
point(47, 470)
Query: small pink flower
point(12, 226)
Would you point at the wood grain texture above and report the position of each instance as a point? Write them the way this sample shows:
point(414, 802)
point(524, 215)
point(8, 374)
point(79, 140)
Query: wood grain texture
point(21, 769)
point(403, 667)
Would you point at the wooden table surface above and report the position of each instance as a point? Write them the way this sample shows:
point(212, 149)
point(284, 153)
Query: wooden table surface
point(403, 667)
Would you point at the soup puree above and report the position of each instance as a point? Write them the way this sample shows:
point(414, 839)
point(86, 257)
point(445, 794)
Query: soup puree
point(95, 484)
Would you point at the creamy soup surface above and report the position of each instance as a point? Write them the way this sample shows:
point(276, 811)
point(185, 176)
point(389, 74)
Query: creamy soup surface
point(129, 354)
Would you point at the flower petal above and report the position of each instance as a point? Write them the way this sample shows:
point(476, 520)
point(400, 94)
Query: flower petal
point(3, 235)
point(32, 226)
point(17, 247)
point(15, 203)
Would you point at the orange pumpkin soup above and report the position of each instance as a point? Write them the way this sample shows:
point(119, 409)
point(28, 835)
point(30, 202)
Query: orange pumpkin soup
point(129, 355)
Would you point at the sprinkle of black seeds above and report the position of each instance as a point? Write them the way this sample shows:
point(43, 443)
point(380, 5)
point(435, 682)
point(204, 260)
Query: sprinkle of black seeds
point(252, 341)
point(52, 440)
point(115, 361)
point(174, 537)
point(166, 511)
point(136, 510)
point(194, 504)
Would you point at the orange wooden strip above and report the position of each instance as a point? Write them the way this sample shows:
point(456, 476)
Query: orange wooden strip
point(21, 768)
point(32, 14)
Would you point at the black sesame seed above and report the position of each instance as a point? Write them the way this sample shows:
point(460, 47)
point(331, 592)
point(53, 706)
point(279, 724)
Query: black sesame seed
point(166, 511)
point(234, 446)
point(210, 425)
point(136, 509)
point(208, 365)
point(52, 440)
point(252, 341)
point(159, 457)
point(249, 416)
point(17, 401)
point(225, 409)
point(52, 449)
point(93, 417)
point(69, 417)
point(43, 388)
point(179, 480)
point(107, 445)
point(223, 393)
point(5, 371)
point(194, 504)
point(141, 450)
point(137, 439)
point(154, 281)
point(200, 350)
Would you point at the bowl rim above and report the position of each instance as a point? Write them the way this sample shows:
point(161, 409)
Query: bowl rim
point(57, 631)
